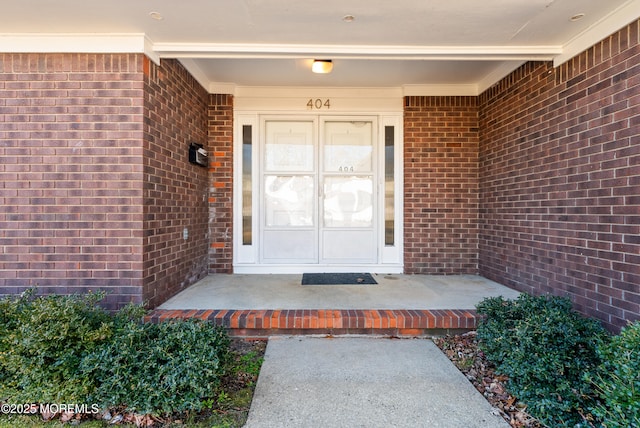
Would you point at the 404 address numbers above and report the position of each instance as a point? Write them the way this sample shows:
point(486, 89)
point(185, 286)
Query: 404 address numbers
point(318, 104)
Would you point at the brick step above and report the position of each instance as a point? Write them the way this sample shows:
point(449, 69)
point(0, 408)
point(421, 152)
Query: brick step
point(262, 323)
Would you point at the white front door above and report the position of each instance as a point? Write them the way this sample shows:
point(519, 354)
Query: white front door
point(347, 209)
point(318, 191)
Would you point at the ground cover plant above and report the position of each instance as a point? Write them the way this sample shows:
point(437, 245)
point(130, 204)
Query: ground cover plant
point(42, 343)
point(564, 369)
point(544, 348)
point(145, 367)
point(617, 380)
point(66, 349)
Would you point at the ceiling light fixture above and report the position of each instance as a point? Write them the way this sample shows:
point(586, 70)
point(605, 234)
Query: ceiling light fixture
point(348, 18)
point(322, 66)
point(577, 17)
point(156, 15)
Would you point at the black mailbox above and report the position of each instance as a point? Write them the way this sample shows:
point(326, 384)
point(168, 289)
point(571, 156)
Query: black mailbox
point(198, 155)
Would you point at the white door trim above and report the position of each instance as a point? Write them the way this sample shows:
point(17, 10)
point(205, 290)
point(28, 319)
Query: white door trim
point(252, 108)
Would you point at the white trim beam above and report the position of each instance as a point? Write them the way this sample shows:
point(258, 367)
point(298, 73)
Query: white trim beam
point(275, 51)
point(78, 43)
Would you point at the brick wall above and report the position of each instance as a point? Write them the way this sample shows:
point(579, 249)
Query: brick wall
point(560, 179)
point(71, 207)
point(441, 185)
point(220, 128)
point(175, 191)
point(95, 184)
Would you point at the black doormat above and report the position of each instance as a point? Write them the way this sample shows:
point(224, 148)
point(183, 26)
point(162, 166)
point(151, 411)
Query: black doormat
point(337, 278)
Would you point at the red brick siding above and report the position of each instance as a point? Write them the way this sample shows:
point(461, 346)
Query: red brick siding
point(441, 185)
point(96, 186)
point(175, 191)
point(71, 174)
point(220, 128)
point(560, 179)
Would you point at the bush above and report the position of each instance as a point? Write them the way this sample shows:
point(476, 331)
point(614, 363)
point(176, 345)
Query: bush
point(8, 324)
point(159, 368)
point(66, 349)
point(544, 348)
point(617, 382)
point(42, 342)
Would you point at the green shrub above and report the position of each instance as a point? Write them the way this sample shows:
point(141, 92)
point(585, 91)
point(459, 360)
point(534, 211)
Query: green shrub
point(617, 383)
point(159, 368)
point(66, 349)
point(43, 340)
point(496, 329)
point(544, 348)
point(8, 323)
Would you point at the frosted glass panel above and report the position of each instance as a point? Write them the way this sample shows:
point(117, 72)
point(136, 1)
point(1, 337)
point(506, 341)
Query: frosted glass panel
point(247, 185)
point(289, 200)
point(389, 185)
point(347, 147)
point(289, 147)
point(348, 201)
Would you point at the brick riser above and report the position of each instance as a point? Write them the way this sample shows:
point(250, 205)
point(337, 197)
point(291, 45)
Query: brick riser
point(256, 323)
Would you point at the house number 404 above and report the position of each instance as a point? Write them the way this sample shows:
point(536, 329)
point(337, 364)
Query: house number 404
point(318, 104)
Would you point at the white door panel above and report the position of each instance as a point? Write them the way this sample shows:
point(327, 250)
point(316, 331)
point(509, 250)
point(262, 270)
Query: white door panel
point(290, 246)
point(318, 193)
point(348, 246)
point(347, 229)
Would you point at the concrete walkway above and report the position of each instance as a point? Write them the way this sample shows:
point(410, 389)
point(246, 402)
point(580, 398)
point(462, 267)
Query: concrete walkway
point(364, 382)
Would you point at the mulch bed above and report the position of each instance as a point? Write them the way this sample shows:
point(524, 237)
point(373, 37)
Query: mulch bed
point(463, 351)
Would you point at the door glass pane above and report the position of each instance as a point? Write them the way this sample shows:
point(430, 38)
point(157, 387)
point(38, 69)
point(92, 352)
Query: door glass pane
point(247, 213)
point(289, 200)
point(389, 185)
point(348, 201)
point(348, 147)
point(289, 147)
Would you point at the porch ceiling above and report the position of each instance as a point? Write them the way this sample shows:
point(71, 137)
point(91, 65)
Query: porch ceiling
point(428, 47)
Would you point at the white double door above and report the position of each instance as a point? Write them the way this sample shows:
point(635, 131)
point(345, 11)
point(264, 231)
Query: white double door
point(318, 191)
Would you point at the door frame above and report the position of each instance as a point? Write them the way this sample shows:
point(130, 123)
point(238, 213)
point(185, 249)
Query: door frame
point(252, 105)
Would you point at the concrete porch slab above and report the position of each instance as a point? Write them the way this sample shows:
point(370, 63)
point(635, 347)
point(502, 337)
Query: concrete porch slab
point(286, 292)
point(259, 306)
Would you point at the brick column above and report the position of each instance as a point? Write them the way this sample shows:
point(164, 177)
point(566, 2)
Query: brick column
point(220, 127)
point(441, 185)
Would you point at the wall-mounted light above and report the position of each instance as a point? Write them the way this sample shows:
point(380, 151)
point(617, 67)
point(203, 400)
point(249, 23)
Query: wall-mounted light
point(322, 66)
